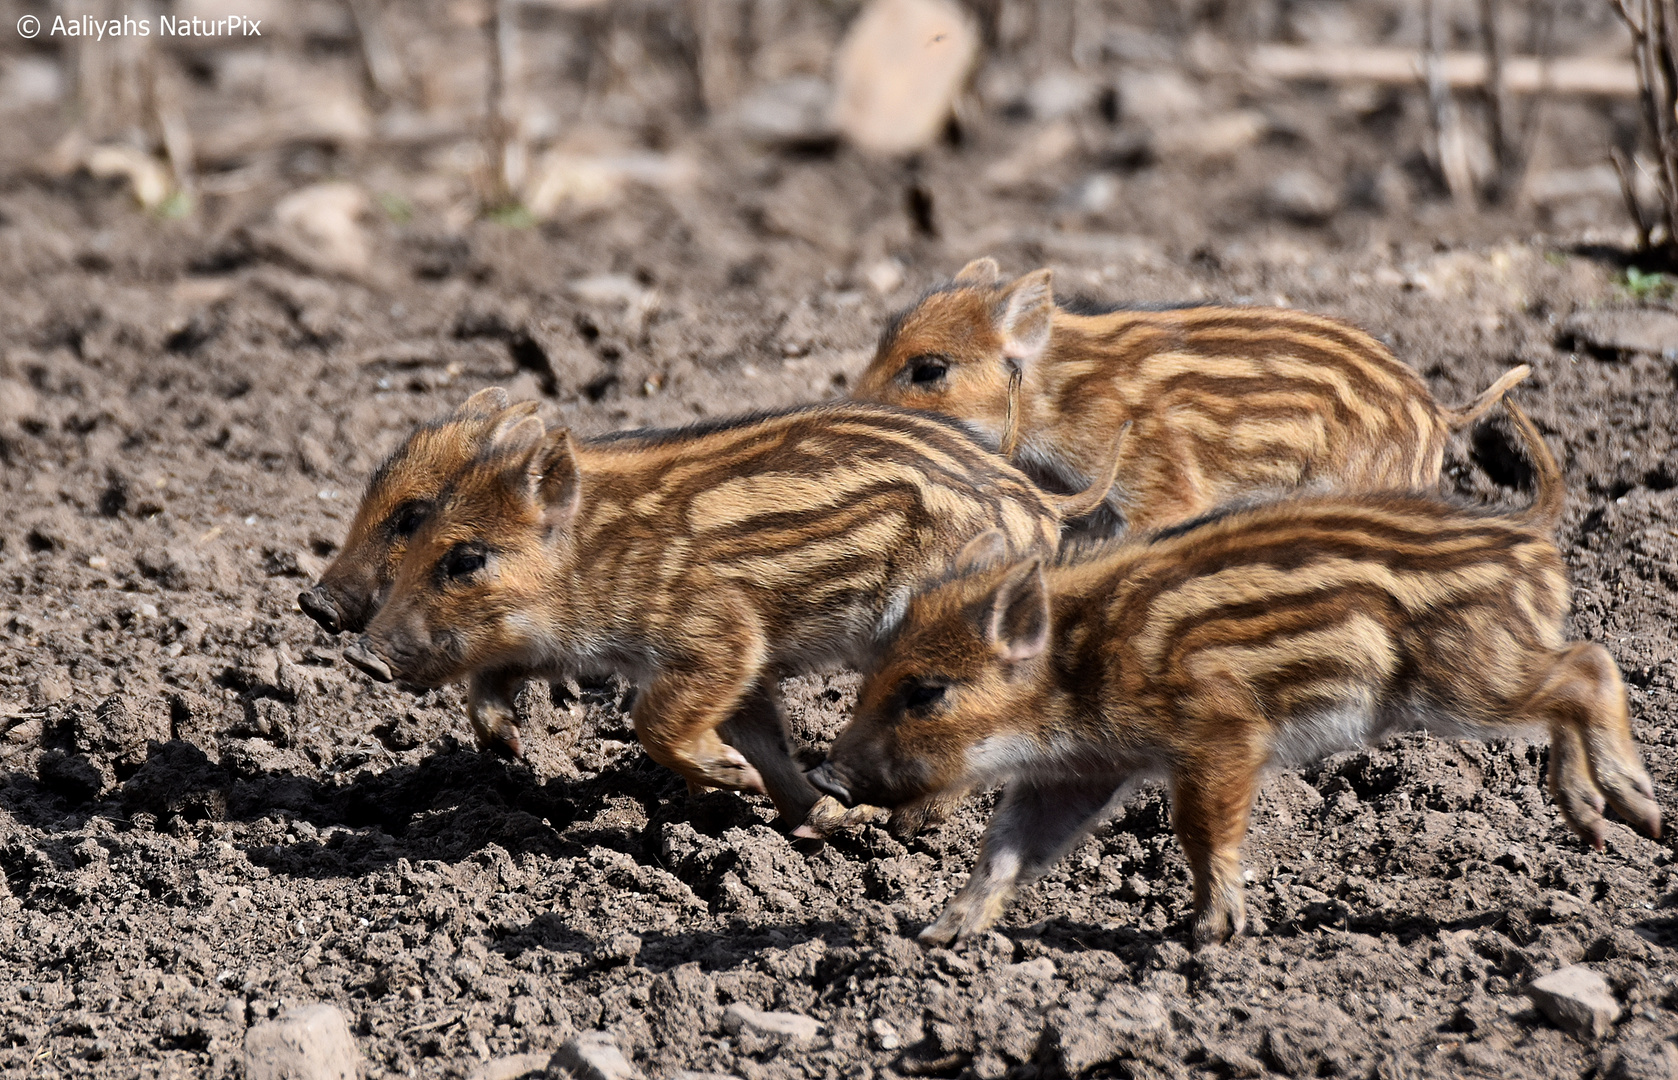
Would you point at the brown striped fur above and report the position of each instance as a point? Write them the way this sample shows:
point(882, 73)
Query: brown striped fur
point(1227, 401)
point(705, 563)
point(1265, 636)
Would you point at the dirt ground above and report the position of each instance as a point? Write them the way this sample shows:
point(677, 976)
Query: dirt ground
point(205, 815)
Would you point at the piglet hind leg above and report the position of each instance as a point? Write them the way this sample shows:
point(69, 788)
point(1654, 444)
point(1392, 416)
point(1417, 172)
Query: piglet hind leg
point(677, 717)
point(1211, 801)
point(1035, 825)
point(1592, 759)
point(759, 732)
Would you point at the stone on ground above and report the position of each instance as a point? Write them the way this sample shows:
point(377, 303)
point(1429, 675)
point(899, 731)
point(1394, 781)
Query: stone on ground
point(312, 1042)
point(1577, 1000)
point(593, 1055)
point(789, 1027)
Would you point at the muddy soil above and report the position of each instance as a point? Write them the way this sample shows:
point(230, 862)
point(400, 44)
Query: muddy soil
point(205, 815)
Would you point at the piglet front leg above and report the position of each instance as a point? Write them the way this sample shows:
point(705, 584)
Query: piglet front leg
point(489, 706)
point(1035, 825)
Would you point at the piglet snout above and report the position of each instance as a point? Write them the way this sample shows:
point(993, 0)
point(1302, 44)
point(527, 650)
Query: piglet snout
point(822, 776)
point(361, 654)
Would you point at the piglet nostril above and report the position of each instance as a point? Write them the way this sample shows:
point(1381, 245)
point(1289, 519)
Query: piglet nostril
point(363, 657)
point(825, 781)
point(319, 607)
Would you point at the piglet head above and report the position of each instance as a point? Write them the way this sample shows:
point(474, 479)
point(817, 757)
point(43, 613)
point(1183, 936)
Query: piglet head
point(955, 350)
point(476, 588)
point(949, 707)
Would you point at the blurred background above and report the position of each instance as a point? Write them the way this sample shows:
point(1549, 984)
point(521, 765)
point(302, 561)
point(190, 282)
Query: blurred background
point(1001, 122)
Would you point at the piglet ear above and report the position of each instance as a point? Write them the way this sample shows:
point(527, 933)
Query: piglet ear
point(504, 421)
point(987, 549)
point(517, 449)
point(559, 487)
point(1024, 316)
point(484, 405)
point(1017, 623)
point(983, 271)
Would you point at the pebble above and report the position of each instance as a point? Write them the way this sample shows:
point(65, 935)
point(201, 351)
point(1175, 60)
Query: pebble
point(1577, 1000)
point(1637, 331)
point(899, 70)
point(789, 1027)
point(311, 1042)
point(593, 1055)
point(1302, 197)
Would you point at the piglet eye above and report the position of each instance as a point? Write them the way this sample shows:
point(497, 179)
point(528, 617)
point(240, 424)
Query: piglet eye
point(408, 518)
point(464, 560)
point(926, 370)
point(920, 696)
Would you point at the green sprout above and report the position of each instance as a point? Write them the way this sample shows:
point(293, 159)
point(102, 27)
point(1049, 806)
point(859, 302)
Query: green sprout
point(513, 216)
point(396, 208)
point(177, 205)
point(1648, 286)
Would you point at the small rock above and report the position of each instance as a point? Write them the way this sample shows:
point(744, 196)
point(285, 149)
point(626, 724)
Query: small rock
point(1302, 197)
point(1060, 92)
point(312, 1042)
point(899, 69)
point(1577, 1000)
point(320, 227)
point(513, 1067)
point(885, 1036)
point(885, 276)
point(1040, 970)
point(1212, 138)
point(788, 1027)
point(593, 1055)
point(1642, 1061)
point(1635, 331)
point(144, 173)
point(792, 112)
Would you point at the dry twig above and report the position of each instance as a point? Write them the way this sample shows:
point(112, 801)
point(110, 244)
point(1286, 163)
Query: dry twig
point(1655, 52)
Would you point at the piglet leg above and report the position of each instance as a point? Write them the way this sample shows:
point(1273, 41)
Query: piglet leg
point(489, 706)
point(1592, 758)
point(1211, 801)
point(759, 731)
point(1035, 825)
point(676, 718)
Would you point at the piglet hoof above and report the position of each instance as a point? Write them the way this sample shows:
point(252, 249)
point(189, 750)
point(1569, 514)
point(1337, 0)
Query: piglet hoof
point(940, 934)
point(1216, 927)
point(509, 745)
point(829, 816)
point(729, 769)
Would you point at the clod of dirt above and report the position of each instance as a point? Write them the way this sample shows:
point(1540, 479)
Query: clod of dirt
point(312, 1042)
point(320, 227)
point(1577, 1000)
point(594, 1056)
point(513, 1067)
point(899, 70)
point(797, 111)
point(1612, 333)
point(144, 173)
point(1124, 1017)
point(1301, 197)
point(786, 1027)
